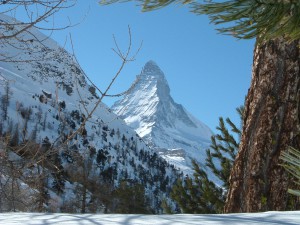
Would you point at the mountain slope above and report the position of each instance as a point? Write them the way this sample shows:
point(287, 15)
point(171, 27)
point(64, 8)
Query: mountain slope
point(47, 100)
point(165, 125)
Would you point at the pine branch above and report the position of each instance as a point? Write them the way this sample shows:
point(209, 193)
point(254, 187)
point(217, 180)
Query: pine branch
point(261, 19)
point(291, 160)
point(244, 19)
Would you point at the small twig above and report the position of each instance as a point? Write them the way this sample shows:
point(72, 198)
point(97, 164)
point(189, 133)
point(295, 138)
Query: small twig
point(76, 60)
point(125, 60)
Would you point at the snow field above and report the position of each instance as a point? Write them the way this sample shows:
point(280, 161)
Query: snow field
point(272, 218)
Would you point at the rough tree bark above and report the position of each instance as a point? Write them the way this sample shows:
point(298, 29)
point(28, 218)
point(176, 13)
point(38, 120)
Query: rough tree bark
point(271, 123)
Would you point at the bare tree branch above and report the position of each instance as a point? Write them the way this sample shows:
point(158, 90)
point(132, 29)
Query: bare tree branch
point(125, 58)
point(39, 14)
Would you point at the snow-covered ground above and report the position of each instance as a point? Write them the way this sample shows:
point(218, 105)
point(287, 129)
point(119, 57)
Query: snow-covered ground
point(279, 218)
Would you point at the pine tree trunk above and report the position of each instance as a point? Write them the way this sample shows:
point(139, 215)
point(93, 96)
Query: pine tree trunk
point(271, 123)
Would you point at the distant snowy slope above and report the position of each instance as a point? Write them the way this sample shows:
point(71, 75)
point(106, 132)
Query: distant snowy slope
point(46, 83)
point(165, 125)
point(266, 218)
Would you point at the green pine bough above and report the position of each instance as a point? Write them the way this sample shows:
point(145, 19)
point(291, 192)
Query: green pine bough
point(244, 19)
point(261, 19)
point(291, 160)
point(198, 194)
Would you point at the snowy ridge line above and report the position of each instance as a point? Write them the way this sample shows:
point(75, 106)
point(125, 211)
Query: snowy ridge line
point(279, 218)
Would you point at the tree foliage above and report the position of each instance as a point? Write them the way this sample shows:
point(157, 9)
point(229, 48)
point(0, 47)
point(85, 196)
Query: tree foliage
point(130, 198)
point(291, 160)
point(246, 19)
point(200, 194)
point(264, 19)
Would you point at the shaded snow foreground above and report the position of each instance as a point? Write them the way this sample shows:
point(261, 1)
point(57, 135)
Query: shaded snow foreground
point(282, 218)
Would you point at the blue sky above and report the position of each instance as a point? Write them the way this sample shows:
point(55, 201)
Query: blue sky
point(208, 73)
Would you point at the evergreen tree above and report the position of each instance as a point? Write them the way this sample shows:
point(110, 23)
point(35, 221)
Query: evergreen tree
point(166, 207)
point(1, 128)
point(42, 196)
point(112, 132)
point(15, 138)
point(25, 113)
point(201, 195)
point(130, 198)
point(224, 148)
point(33, 135)
point(5, 100)
point(269, 125)
point(44, 122)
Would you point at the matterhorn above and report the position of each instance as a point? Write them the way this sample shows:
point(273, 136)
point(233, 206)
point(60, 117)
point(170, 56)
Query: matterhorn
point(165, 125)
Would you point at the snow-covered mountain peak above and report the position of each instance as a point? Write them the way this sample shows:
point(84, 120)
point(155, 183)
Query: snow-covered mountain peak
point(163, 123)
point(152, 80)
point(152, 69)
point(150, 94)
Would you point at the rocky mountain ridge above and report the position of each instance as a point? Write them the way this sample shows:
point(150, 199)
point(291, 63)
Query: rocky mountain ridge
point(165, 125)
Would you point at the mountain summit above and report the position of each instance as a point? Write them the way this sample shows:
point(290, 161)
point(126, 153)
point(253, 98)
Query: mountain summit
point(164, 124)
point(152, 69)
